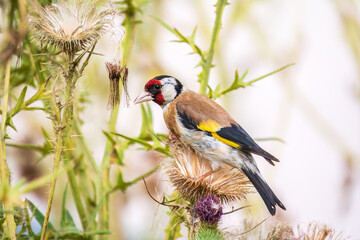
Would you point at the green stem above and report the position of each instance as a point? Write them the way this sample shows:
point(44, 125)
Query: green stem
point(6, 96)
point(209, 58)
point(130, 27)
point(105, 166)
point(94, 174)
point(137, 179)
point(76, 194)
point(9, 226)
point(85, 148)
point(58, 151)
point(69, 116)
point(63, 131)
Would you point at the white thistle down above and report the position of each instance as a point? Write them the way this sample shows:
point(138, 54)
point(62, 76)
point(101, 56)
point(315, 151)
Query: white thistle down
point(70, 26)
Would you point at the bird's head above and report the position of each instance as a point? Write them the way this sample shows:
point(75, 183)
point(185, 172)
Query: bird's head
point(161, 89)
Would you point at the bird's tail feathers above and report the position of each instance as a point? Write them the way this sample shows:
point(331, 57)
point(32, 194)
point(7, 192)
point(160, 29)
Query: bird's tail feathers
point(268, 196)
point(268, 157)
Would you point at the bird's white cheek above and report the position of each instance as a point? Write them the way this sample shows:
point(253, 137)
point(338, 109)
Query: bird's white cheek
point(169, 94)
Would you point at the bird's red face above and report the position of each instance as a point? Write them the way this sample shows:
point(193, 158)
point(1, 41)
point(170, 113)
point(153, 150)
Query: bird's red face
point(161, 89)
point(152, 92)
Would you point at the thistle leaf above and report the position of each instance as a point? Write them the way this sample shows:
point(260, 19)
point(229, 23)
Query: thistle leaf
point(38, 215)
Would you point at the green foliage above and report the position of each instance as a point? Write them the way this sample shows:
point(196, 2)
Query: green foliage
point(209, 233)
point(207, 56)
point(239, 82)
point(177, 218)
point(67, 229)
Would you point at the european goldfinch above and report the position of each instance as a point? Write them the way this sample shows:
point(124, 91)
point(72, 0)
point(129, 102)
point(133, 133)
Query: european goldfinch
point(209, 130)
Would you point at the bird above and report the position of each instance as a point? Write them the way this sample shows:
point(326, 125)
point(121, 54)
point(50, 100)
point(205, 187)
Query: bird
point(203, 125)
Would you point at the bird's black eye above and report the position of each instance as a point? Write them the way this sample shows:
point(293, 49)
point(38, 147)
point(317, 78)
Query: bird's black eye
point(157, 86)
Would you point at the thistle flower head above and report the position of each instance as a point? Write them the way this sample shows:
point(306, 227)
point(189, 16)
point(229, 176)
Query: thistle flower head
point(209, 210)
point(68, 25)
point(186, 169)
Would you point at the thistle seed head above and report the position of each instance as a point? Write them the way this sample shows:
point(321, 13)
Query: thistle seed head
point(116, 72)
point(186, 169)
point(70, 26)
point(318, 231)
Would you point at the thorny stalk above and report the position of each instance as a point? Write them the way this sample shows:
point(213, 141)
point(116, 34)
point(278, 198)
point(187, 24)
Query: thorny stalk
point(63, 127)
point(220, 5)
point(63, 119)
point(10, 226)
point(130, 24)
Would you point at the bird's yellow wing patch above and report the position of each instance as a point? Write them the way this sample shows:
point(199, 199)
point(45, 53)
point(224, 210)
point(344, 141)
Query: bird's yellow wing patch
point(212, 127)
point(224, 140)
point(209, 126)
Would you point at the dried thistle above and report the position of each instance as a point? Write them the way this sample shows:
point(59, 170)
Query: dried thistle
point(116, 72)
point(317, 231)
point(68, 25)
point(271, 231)
point(280, 231)
point(186, 169)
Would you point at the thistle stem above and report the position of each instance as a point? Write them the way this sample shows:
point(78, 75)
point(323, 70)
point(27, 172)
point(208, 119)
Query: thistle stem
point(58, 151)
point(220, 5)
point(76, 195)
point(85, 148)
point(63, 131)
point(9, 226)
point(105, 165)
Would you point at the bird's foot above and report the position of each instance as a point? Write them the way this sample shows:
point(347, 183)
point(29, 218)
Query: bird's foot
point(206, 175)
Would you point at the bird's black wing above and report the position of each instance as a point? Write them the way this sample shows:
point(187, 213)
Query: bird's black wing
point(238, 135)
point(232, 134)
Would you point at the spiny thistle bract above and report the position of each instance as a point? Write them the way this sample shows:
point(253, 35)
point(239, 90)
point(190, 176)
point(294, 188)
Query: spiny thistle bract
point(70, 26)
point(186, 171)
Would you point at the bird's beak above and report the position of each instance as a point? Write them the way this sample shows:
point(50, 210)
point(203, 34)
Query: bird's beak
point(143, 97)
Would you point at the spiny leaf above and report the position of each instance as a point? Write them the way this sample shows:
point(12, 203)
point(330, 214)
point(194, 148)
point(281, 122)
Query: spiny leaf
point(10, 123)
point(44, 150)
point(119, 148)
point(38, 215)
point(109, 136)
point(20, 102)
point(98, 232)
point(147, 145)
point(120, 183)
point(66, 218)
point(147, 123)
point(239, 82)
point(182, 38)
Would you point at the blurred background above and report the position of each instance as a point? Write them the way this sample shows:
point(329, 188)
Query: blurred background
point(313, 106)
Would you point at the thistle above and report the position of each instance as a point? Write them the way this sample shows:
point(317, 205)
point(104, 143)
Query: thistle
point(69, 26)
point(186, 171)
point(116, 72)
point(209, 210)
point(317, 231)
